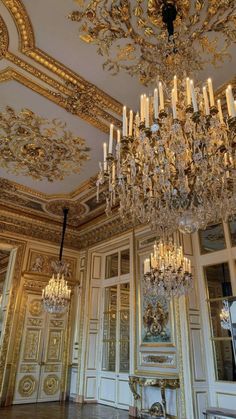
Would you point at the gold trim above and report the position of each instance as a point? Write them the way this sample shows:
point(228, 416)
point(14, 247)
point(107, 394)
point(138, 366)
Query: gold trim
point(27, 47)
point(14, 317)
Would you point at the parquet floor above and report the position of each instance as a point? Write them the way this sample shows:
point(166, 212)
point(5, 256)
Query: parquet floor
point(61, 411)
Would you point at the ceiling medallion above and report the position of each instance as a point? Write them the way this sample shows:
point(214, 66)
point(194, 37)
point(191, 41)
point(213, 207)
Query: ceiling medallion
point(76, 210)
point(37, 147)
point(147, 38)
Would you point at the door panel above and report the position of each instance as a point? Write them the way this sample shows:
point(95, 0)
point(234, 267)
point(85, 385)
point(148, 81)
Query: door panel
point(40, 365)
point(113, 377)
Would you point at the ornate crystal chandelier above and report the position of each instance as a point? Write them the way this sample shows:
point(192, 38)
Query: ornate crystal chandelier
point(224, 316)
point(167, 271)
point(56, 294)
point(175, 165)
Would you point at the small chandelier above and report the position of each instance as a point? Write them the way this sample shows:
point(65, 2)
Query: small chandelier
point(224, 316)
point(167, 271)
point(175, 165)
point(56, 294)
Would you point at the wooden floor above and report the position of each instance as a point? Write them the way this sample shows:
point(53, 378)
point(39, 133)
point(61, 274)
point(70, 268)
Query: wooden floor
point(61, 411)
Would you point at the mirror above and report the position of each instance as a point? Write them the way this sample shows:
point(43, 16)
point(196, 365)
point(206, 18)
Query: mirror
point(232, 317)
point(6, 265)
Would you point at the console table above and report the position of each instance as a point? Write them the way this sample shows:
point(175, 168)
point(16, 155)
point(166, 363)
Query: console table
point(219, 411)
point(158, 409)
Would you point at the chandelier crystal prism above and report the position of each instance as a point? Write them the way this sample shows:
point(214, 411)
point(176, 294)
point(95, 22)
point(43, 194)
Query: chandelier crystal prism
point(167, 271)
point(174, 166)
point(56, 294)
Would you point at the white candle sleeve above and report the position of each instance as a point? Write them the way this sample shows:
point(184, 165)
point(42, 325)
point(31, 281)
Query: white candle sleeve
point(124, 121)
point(188, 93)
point(211, 93)
point(130, 123)
point(176, 88)
point(141, 107)
point(111, 139)
point(155, 103)
point(161, 96)
point(173, 103)
point(147, 113)
point(231, 102)
point(220, 111)
point(118, 136)
point(206, 102)
point(194, 101)
point(105, 156)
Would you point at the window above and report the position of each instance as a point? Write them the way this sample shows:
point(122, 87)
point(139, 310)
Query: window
point(117, 264)
point(219, 288)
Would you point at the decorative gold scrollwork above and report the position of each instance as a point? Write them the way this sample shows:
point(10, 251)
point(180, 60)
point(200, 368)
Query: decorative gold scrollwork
point(4, 38)
point(27, 386)
point(51, 384)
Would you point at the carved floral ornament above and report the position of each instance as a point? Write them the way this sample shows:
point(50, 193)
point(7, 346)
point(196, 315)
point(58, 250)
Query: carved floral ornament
point(36, 147)
point(132, 35)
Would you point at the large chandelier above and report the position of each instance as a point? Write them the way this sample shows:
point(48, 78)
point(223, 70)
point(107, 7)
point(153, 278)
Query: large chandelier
point(167, 271)
point(174, 166)
point(56, 294)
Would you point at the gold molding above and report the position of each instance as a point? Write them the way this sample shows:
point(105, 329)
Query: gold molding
point(27, 46)
point(13, 317)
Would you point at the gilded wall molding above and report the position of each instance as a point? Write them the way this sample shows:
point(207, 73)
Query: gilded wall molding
point(20, 245)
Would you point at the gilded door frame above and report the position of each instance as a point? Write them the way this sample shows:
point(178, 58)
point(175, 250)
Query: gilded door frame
point(8, 358)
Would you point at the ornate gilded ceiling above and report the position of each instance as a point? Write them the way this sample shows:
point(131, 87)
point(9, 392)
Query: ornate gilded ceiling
point(132, 35)
point(37, 147)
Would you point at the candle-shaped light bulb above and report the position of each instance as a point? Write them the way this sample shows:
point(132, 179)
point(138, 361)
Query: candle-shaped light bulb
point(211, 93)
point(111, 139)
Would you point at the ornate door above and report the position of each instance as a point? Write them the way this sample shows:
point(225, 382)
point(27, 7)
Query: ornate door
point(40, 369)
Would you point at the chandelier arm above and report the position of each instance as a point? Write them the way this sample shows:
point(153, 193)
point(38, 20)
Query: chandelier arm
point(65, 212)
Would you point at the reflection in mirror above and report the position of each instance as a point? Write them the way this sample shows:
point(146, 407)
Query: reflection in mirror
point(112, 265)
point(4, 288)
point(224, 359)
point(232, 230)
point(124, 262)
point(212, 238)
point(232, 311)
point(218, 280)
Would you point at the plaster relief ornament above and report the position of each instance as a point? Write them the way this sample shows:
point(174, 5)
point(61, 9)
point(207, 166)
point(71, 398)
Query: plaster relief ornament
point(37, 147)
point(148, 38)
